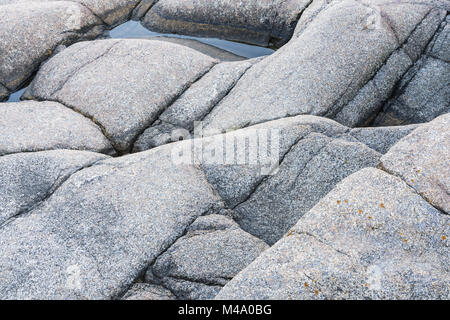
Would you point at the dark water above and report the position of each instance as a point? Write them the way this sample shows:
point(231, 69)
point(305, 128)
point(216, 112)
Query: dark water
point(15, 97)
point(134, 29)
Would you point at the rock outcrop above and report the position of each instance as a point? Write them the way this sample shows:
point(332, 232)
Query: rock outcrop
point(377, 235)
point(160, 168)
point(262, 22)
point(372, 237)
point(142, 78)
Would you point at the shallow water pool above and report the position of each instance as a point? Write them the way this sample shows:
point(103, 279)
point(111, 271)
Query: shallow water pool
point(134, 29)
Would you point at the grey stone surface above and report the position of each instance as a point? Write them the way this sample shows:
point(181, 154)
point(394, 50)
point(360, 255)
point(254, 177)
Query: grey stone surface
point(440, 48)
point(145, 291)
point(38, 126)
point(422, 160)
point(235, 178)
point(372, 237)
point(142, 8)
point(381, 139)
point(193, 105)
point(311, 169)
point(187, 290)
point(212, 252)
point(101, 228)
point(111, 12)
point(157, 135)
point(201, 97)
point(30, 31)
point(304, 78)
point(275, 155)
point(423, 92)
point(28, 178)
point(261, 22)
point(422, 97)
point(123, 84)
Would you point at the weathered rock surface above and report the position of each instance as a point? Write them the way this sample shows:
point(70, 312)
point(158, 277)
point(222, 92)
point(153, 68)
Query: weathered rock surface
point(381, 139)
point(422, 160)
point(28, 178)
point(369, 57)
point(212, 252)
point(312, 168)
point(123, 84)
point(193, 105)
point(111, 12)
point(372, 237)
point(99, 230)
point(145, 291)
point(67, 246)
point(314, 155)
point(38, 126)
point(282, 153)
point(30, 31)
point(424, 92)
point(262, 22)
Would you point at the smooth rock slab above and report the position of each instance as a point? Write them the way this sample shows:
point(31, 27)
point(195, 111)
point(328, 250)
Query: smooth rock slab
point(123, 84)
point(30, 31)
point(372, 237)
point(100, 229)
point(38, 126)
point(422, 160)
point(28, 178)
point(260, 22)
point(326, 66)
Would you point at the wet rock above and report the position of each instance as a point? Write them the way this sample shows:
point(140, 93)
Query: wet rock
point(123, 84)
point(28, 178)
point(263, 22)
point(38, 126)
point(372, 237)
point(421, 160)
